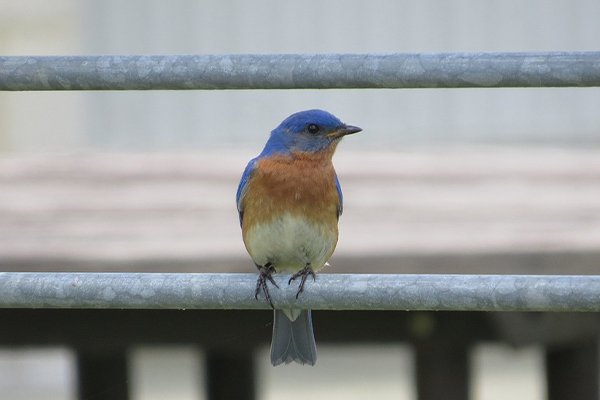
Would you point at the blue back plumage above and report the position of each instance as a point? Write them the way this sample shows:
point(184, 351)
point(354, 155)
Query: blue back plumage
point(340, 196)
point(243, 186)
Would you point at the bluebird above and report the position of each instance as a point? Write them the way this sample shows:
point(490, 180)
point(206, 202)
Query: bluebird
point(289, 201)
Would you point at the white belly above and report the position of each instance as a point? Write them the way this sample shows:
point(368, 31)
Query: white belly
point(290, 243)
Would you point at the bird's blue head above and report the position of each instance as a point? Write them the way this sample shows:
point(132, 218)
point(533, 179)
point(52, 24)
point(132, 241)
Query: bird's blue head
point(307, 131)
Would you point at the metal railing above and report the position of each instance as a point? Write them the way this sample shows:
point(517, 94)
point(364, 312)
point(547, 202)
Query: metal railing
point(301, 71)
point(328, 292)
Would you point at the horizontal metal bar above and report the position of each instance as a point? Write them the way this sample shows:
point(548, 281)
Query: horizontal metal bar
point(300, 71)
point(328, 292)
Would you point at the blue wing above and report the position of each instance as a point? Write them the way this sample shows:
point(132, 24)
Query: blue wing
point(340, 207)
point(243, 187)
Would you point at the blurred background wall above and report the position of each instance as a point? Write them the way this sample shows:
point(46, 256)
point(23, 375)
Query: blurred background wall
point(198, 120)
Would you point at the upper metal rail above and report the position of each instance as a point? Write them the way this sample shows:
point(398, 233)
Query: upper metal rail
point(328, 292)
point(300, 71)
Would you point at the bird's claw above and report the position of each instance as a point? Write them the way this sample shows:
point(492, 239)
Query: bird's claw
point(265, 274)
point(304, 273)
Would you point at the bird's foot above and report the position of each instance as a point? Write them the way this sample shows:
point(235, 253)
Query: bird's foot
point(265, 273)
point(304, 273)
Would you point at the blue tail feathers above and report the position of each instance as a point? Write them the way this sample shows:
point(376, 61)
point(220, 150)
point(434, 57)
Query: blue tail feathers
point(293, 340)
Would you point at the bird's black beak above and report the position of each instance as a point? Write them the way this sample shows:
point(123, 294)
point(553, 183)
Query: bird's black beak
point(345, 130)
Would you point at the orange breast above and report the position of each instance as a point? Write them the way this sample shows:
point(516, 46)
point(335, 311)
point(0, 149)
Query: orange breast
point(302, 184)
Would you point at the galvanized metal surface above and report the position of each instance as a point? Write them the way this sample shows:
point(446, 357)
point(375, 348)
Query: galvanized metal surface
point(300, 71)
point(329, 292)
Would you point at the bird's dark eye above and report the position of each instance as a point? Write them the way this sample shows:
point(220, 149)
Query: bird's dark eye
point(312, 128)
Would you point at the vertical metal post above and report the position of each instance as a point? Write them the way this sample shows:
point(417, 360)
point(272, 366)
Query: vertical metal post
point(442, 371)
point(573, 372)
point(102, 375)
point(230, 376)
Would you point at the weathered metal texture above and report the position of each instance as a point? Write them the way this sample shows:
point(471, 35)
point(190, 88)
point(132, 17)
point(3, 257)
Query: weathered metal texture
point(300, 71)
point(329, 292)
